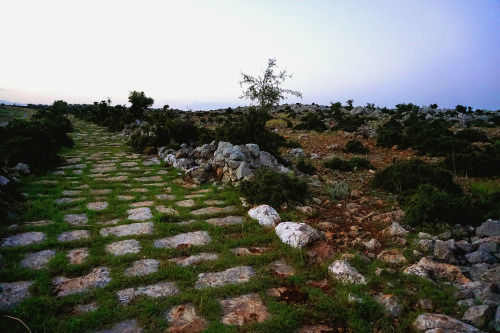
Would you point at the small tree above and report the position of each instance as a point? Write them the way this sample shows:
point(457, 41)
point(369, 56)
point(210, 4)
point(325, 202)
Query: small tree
point(139, 103)
point(266, 89)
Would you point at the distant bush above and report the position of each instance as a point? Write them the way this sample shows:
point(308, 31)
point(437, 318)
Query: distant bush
point(475, 162)
point(336, 163)
point(306, 167)
point(338, 190)
point(355, 147)
point(390, 134)
point(406, 176)
point(347, 122)
point(311, 122)
point(360, 163)
point(274, 188)
point(472, 135)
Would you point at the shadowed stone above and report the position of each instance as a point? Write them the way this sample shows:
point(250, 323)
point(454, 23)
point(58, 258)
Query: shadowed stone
point(98, 278)
point(74, 166)
point(152, 161)
point(194, 259)
point(213, 210)
point(166, 210)
point(149, 179)
point(26, 238)
point(233, 275)
point(127, 326)
point(76, 219)
point(86, 308)
point(38, 260)
point(243, 309)
point(128, 164)
point(165, 197)
point(228, 220)
point(69, 236)
point(101, 205)
point(123, 247)
point(141, 204)
point(197, 238)
point(77, 256)
point(441, 323)
point(142, 267)
point(63, 201)
point(183, 319)
point(162, 289)
point(11, 294)
point(129, 229)
point(68, 192)
point(281, 268)
point(139, 214)
point(186, 203)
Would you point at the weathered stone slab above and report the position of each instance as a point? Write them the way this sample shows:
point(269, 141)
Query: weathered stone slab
point(192, 196)
point(76, 219)
point(196, 238)
point(166, 210)
point(152, 161)
point(281, 268)
point(128, 164)
point(98, 278)
point(246, 251)
point(100, 205)
point(123, 247)
point(441, 323)
point(392, 257)
point(213, 210)
point(149, 179)
point(145, 228)
point(38, 260)
point(267, 216)
point(165, 197)
point(345, 273)
point(69, 236)
point(86, 308)
point(240, 274)
point(11, 294)
point(113, 179)
point(194, 259)
point(77, 256)
point(26, 238)
point(68, 192)
point(142, 204)
point(125, 197)
point(127, 326)
point(162, 289)
point(139, 190)
point(243, 309)
point(186, 203)
point(184, 319)
point(214, 202)
point(441, 270)
point(63, 201)
point(296, 235)
point(139, 214)
point(142, 267)
point(101, 192)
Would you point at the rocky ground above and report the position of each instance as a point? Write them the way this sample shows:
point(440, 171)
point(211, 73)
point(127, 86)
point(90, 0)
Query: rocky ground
point(114, 241)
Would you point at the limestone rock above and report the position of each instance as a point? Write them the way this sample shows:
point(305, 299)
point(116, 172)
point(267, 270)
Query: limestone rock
point(213, 210)
point(240, 274)
point(139, 214)
point(100, 205)
point(478, 315)
point(127, 326)
point(73, 235)
point(480, 256)
point(488, 228)
point(162, 289)
point(442, 270)
point(77, 256)
point(123, 247)
point(392, 257)
point(194, 259)
point(184, 319)
point(38, 260)
point(98, 278)
point(372, 245)
point(243, 309)
point(26, 238)
point(228, 220)
point(11, 294)
point(197, 238)
point(296, 235)
point(142, 267)
point(345, 273)
point(444, 250)
point(76, 219)
point(441, 323)
point(144, 228)
point(391, 305)
point(395, 229)
point(267, 216)
point(281, 268)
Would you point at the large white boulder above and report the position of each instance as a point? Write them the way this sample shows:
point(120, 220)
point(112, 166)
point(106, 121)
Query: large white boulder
point(267, 216)
point(296, 235)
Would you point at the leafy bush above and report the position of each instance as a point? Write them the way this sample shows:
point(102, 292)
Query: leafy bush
point(475, 162)
point(355, 147)
point(274, 188)
point(404, 176)
point(311, 122)
point(360, 163)
point(472, 135)
point(348, 123)
point(390, 133)
point(336, 163)
point(306, 167)
point(338, 190)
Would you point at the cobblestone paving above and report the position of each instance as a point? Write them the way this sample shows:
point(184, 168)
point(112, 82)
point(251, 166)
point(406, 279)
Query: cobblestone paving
point(118, 243)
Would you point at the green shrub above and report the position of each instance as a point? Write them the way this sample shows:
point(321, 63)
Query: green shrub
point(475, 162)
point(311, 122)
point(355, 147)
point(336, 163)
point(404, 176)
point(348, 123)
point(360, 163)
point(472, 135)
point(338, 190)
point(390, 134)
point(306, 167)
point(274, 188)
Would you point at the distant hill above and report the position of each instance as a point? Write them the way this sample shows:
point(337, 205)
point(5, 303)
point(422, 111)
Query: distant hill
point(11, 103)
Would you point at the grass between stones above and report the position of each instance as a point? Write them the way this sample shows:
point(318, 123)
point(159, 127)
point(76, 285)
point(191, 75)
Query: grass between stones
point(326, 303)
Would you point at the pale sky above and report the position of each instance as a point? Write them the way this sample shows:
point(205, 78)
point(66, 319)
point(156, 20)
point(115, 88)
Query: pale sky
point(189, 54)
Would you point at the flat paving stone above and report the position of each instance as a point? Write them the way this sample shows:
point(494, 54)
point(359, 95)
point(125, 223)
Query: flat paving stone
point(184, 319)
point(162, 289)
point(59, 173)
point(162, 172)
point(101, 192)
point(26, 238)
point(75, 192)
point(127, 326)
point(103, 169)
point(192, 196)
point(77, 172)
point(247, 251)
point(38, 260)
point(142, 267)
point(128, 164)
point(114, 179)
point(214, 202)
point(139, 190)
point(186, 203)
point(194, 259)
point(98, 278)
point(64, 201)
point(145, 228)
point(76, 219)
point(11, 294)
point(110, 222)
point(125, 197)
point(75, 166)
point(77, 256)
point(281, 268)
point(165, 197)
point(243, 309)
point(123, 247)
point(152, 161)
point(40, 223)
point(166, 210)
point(196, 238)
point(139, 214)
point(228, 220)
point(149, 179)
point(240, 274)
point(142, 204)
point(69, 236)
point(213, 210)
point(73, 160)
